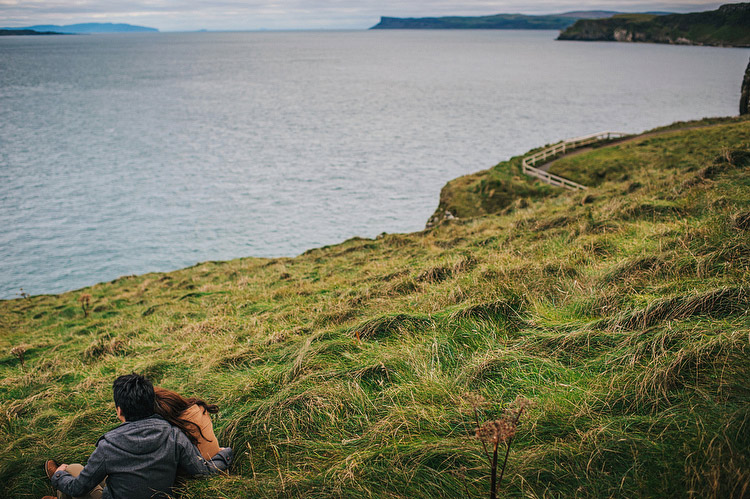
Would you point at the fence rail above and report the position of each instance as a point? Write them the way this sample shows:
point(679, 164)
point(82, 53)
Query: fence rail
point(529, 162)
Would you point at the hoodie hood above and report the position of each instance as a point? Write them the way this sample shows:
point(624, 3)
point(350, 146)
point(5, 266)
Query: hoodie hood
point(140, 437)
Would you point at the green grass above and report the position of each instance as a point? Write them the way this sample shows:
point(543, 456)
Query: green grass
point(664, 155)
point(621, 311)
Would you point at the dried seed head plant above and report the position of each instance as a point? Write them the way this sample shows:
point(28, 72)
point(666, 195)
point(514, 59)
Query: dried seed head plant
point(85, 301)
point(494, 433)
point(19, 352)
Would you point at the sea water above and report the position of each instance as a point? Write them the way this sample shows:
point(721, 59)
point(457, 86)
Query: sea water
point(125, 154)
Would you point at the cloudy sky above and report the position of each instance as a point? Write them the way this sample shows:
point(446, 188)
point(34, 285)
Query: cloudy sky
point(177, 15)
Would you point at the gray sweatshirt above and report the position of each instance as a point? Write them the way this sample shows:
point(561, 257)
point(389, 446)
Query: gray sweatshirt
point(140, 460)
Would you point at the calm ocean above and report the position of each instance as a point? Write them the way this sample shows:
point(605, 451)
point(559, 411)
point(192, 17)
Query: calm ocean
point(124, 154)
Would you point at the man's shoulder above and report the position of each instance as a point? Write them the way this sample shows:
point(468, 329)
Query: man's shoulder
point(148, 428)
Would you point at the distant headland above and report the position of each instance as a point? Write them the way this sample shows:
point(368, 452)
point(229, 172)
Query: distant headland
point(497, 21)
point(76, 29)
point(26, 32)
point(728, 26)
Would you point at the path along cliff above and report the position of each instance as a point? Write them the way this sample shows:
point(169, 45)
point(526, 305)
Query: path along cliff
point(506, 187)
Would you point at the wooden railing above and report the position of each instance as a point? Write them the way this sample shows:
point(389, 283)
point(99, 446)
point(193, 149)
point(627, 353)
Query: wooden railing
point(529, 162)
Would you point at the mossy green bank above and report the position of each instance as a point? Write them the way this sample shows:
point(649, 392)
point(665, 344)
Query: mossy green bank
point(621, 311)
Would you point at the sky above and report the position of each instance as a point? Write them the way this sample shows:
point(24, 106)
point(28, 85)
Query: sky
point(187, 15)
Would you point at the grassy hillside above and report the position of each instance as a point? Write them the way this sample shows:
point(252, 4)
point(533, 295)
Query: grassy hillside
point(727, 26)
point(622, 312)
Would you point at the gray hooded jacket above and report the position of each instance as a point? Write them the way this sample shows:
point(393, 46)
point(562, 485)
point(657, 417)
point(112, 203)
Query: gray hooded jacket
point(139, 460)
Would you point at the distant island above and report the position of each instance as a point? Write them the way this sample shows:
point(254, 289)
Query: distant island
point(728, 26)
point(497, 21)
point(26, 32)
point(79, 29)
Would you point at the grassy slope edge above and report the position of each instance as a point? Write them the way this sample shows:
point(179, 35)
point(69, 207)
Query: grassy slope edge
point(622, 311)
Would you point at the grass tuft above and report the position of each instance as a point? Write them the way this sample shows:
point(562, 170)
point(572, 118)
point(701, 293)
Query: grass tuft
point(716, 303)
point(391, 325)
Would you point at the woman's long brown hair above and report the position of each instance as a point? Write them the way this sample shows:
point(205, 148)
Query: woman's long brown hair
point(171, 405)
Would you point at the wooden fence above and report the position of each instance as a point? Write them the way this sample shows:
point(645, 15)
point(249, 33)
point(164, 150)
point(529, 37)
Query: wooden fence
point(529, 162)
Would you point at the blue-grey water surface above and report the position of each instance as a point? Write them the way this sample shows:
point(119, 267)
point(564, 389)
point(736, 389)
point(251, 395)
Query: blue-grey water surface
point(123, 154)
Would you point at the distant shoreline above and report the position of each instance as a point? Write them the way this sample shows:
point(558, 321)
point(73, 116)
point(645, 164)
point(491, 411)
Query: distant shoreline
point(79, 29)
point(497, 21)
point(28, 32)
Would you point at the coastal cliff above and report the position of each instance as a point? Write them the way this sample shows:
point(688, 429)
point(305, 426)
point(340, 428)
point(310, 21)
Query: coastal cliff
point(728, 26)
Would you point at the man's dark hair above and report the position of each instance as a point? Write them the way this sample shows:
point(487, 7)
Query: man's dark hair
point(134, 395)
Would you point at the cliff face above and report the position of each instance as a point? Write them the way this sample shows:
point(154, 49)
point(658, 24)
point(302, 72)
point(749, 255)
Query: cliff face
point(745, 98)
point(728, 26)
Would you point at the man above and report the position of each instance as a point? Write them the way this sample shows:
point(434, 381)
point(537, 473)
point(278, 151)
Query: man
point(139, 458)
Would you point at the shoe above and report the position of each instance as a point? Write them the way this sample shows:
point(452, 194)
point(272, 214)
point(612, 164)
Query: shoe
point(50, 466)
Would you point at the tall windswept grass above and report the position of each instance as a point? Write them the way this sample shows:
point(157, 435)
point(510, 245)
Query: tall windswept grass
point(622, 312)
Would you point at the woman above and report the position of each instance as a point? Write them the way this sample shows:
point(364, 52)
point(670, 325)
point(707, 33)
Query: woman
point(191, 416)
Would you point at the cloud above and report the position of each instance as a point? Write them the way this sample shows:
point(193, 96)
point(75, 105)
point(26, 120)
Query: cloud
point(291, 14)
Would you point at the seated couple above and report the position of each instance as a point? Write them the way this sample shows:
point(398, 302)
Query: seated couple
point(160, 433)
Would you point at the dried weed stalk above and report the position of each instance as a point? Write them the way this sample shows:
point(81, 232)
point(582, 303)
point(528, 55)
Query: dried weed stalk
point(494, 433)
point(85, 300)
point(19, 352)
